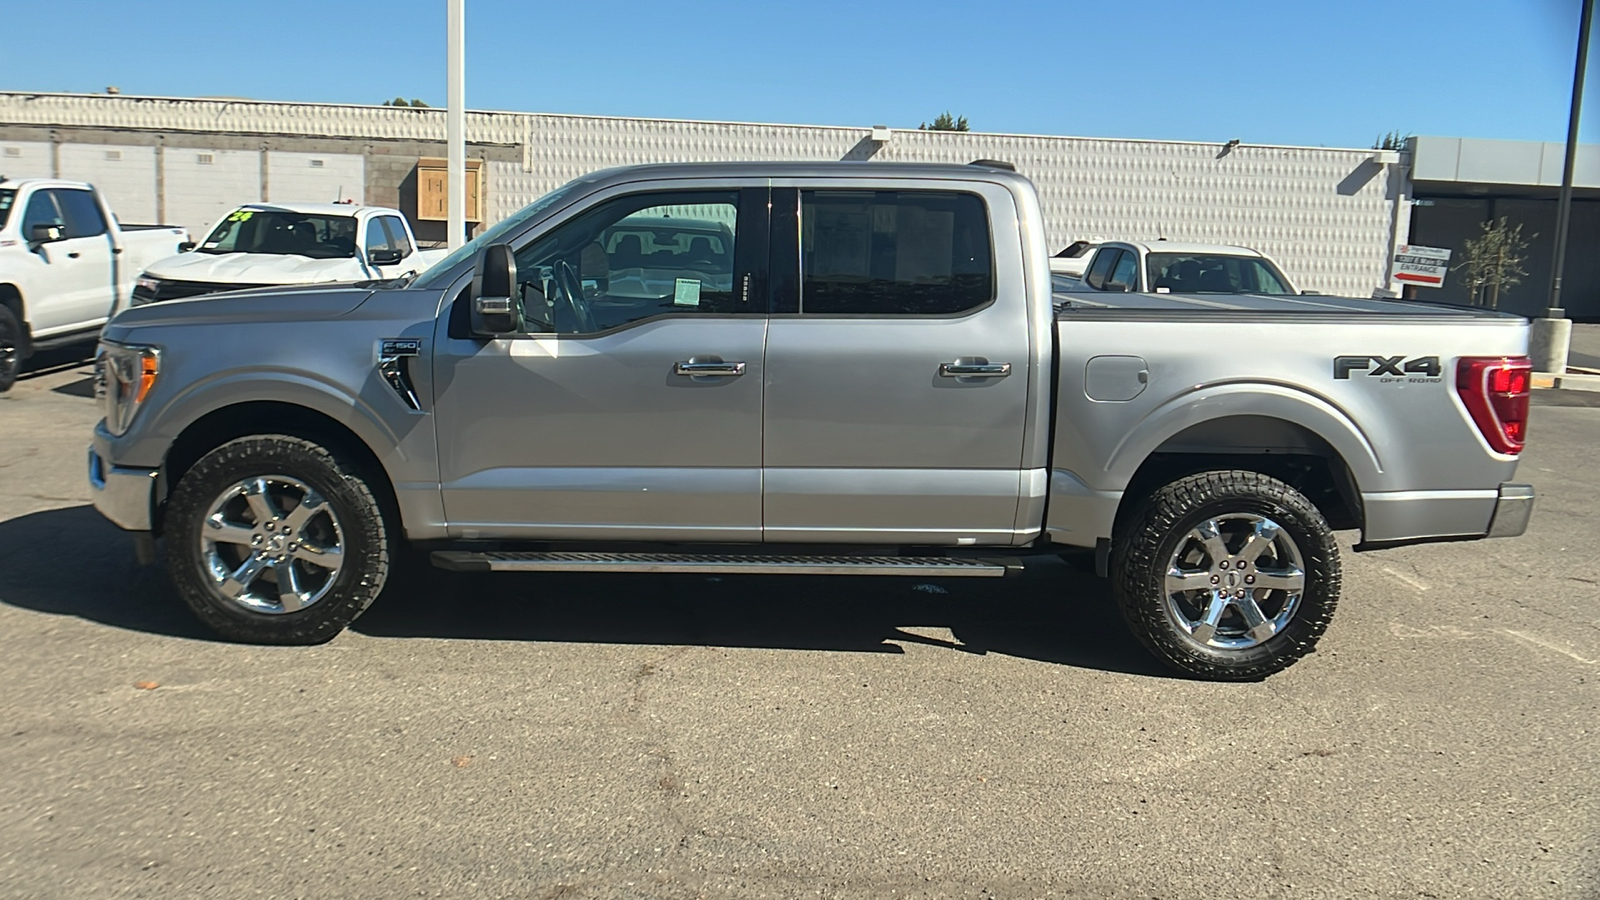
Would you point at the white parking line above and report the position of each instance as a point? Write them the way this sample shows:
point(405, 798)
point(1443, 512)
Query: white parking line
point(1547, 645)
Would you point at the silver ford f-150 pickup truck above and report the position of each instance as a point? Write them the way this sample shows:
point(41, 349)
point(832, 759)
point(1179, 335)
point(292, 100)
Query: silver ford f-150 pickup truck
point(801, 368)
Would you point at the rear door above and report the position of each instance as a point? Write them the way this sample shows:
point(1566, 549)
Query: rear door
point(628, 406)
point(897, 365)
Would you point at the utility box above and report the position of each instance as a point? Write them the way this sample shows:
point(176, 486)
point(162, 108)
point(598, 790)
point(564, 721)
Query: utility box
point(433, 198)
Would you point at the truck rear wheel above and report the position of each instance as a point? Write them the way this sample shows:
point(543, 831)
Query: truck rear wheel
point(11, 344)
point(1227, 575)
point(275, 540)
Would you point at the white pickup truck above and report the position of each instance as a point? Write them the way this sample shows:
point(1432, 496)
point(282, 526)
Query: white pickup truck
point(1168, 267)
point(66, 265)
point(278, 244)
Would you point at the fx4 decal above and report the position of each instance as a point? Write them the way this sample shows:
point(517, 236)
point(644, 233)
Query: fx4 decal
point(1417, 370)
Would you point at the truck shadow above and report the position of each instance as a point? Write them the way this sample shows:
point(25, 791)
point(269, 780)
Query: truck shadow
point(1053, 613)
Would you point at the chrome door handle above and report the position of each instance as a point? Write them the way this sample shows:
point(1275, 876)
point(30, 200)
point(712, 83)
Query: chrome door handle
point(693, 367)
point(974, 370)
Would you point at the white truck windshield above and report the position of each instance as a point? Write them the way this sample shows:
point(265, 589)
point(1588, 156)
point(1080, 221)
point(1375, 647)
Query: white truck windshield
point(1212, 273)
point(283, 233)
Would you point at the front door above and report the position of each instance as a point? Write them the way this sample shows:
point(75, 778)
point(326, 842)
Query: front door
point(628, 405)
point(72, 275)
point(897, 367)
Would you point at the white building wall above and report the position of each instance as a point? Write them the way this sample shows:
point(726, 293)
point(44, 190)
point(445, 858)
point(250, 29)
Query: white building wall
point(1330, 216)
point(25, 159)
point(314, 177)
point(125, 176)
point(202, 185)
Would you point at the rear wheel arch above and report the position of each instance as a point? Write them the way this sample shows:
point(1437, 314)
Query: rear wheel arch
point(228, 423)
point(1278, 448)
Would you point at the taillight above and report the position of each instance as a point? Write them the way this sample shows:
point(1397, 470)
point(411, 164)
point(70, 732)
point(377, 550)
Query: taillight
point(1495, 390)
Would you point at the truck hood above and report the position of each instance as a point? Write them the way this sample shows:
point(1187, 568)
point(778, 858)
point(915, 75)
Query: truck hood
point(279, 304)
point(255, 268)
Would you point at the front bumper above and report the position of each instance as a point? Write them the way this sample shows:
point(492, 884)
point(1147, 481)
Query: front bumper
point(126, 496)
point(1511, 511)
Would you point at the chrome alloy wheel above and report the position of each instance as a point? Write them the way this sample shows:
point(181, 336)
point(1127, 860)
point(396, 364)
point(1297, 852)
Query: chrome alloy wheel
point(1234, 581)
point(271, 544)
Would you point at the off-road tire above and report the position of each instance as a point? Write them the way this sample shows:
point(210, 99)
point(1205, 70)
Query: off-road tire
point(366, 539)
point(12, 339)
point(1145, 546)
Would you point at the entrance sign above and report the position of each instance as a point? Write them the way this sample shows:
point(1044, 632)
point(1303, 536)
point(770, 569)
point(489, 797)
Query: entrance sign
point(1425, 266)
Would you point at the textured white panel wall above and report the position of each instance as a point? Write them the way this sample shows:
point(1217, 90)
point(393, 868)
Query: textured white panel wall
point(200, 192)
point(315, 177)
point(251, 117)
point(1328, 215)
point(125, 175)
point(25, 159)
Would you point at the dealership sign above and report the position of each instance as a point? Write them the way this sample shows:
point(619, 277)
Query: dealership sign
point(1421, 265)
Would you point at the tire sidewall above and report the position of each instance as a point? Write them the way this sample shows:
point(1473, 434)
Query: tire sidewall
point(361, 523)
point(1161, 529)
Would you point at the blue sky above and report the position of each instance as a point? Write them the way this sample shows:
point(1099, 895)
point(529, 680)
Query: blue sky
point(1285, 72)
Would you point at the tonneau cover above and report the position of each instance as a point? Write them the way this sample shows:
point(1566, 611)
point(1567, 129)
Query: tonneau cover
point(1067, 301)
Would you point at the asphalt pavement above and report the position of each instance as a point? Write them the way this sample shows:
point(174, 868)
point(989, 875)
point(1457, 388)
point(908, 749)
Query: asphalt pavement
point(747, 737)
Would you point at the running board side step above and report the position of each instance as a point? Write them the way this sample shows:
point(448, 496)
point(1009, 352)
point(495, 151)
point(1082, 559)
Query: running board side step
point(726, 564)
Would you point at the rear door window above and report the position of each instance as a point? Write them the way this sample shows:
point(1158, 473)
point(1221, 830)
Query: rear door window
point(894, 253)
point(82, 213)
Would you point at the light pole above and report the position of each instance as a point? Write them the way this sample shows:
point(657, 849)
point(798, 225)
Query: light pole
point(455, 117)
point(1551, 337)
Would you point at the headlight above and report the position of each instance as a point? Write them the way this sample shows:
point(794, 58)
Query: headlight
point(145, 290)
point(123, 377)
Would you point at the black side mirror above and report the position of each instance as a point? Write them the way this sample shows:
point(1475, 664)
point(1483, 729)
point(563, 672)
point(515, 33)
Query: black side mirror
point(41, 233)
point(494, 298)
point(384, 257)
point(186, 246)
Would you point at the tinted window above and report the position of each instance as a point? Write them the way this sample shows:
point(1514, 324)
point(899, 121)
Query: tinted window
point(630, 259)
point(1124, 273)
point(41, 211)
point(8, 197)
point(82, 213)
point(398, 239)
point(893, 253)
point(386, 233)
point(1212, 273)
point(1101, 267)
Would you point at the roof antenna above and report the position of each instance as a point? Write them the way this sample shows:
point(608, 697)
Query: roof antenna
point(993, 164)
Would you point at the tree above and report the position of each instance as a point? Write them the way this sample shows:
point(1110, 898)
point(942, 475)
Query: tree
point(1493, 261)
point(1394, 140)
point(401, 101)
point(946, 123)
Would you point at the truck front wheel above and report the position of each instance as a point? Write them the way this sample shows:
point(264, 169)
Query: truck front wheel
point(275, 540)
point(1227, 575)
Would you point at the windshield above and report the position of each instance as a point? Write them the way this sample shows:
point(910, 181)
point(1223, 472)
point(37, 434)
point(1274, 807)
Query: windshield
point(1213, 273)
point(8, 196)
point(283, 233)
point(436, 274)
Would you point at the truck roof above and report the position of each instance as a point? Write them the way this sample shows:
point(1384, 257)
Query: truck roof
point(43, 182)
point(1182, 247)
point(318, 209)
point(820, 168)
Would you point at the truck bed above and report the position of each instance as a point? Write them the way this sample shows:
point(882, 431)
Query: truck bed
point(1154, 305)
